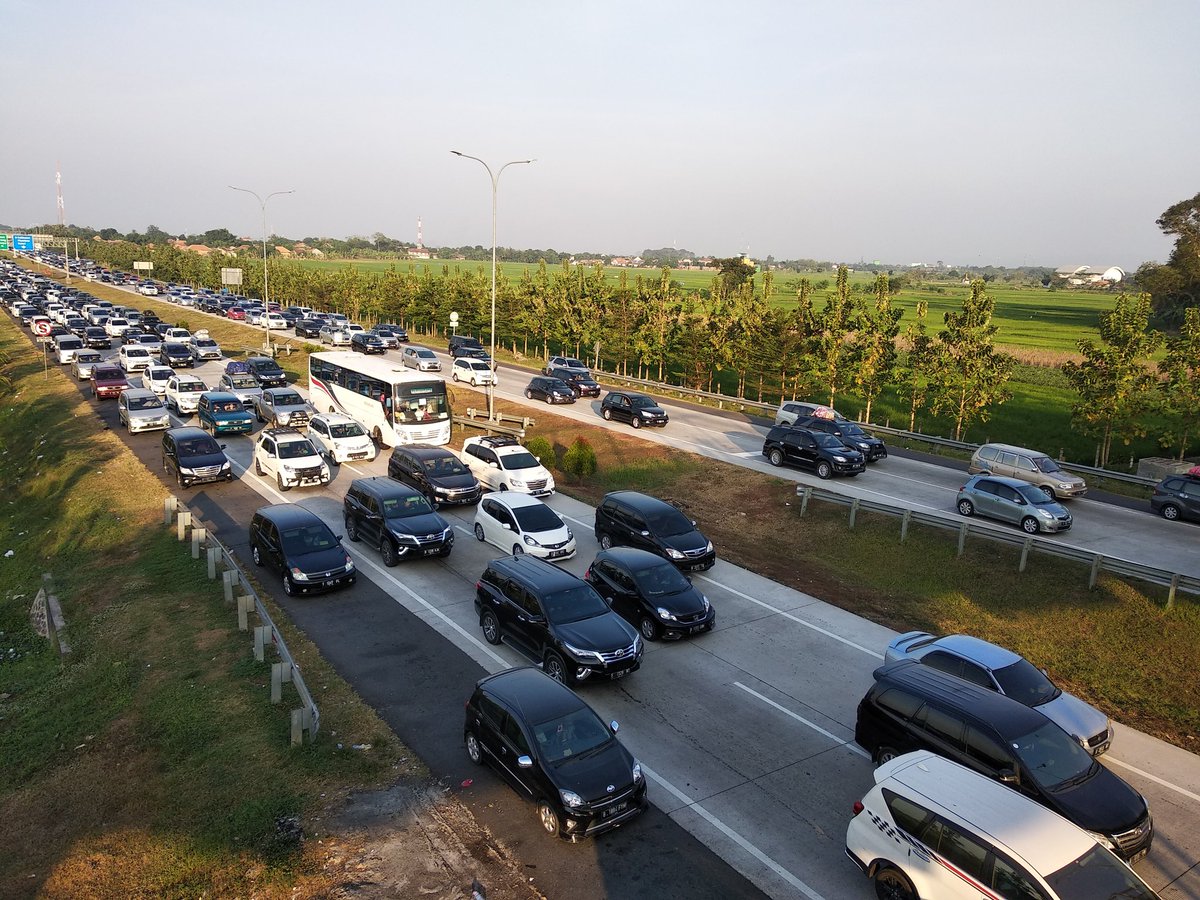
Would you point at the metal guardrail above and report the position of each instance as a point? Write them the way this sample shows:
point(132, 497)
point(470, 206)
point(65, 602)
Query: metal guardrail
point(1097, 562)
point(477, 418)
point(306, 719)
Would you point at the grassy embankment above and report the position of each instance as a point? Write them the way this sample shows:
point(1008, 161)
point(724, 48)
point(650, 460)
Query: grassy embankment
point(150, 761)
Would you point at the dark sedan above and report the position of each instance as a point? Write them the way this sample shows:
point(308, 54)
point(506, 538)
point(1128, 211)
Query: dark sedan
point(651, 593)
point(177, 356)
point(552, 390)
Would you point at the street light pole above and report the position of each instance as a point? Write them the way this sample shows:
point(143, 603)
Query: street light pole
point(491, 393)
point(266, 301)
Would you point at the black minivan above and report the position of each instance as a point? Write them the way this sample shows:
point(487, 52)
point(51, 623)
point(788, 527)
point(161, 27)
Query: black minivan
point(436, 472)
point(396, 519)
point(194, 457)
point(638, 520)
point(297, 544)
point(915, 707)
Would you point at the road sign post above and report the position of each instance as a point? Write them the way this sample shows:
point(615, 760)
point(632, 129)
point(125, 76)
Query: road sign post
point(454, 323)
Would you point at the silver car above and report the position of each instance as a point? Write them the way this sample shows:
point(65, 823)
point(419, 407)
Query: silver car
point(420, 358)
point(333, 334)
point(142, 410)
point(282, 407)
point(82, 363)
point(1010, 500)
point(242, 385)
point(1008, 673)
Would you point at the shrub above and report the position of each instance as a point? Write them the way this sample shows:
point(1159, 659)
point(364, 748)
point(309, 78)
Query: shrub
point(580, 460)
point(542, 449)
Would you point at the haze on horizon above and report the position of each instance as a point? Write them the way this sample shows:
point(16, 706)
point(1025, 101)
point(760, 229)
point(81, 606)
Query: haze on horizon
point(1013, 134)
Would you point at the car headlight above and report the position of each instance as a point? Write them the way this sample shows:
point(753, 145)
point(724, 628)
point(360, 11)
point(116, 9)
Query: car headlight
point(516, 482)
point(1103, 840)
point(570, 536)
point(1045, 514)
point(673, 553)
point(707, 605)
point(839, 459)
point(637, 771)
point(571, 799)
point(297, 575)
point(404, 538)
point(665, 614)
point(709, 547)
point(1066, 487)
point(646, 414)
point(225, 465)
point(863, 446)
point(349, 564)
point(584, 655)
point(186, 471)
point(530, 541)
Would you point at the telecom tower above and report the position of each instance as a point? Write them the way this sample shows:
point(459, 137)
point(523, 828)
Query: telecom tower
point(419, 242)
point(62, 210)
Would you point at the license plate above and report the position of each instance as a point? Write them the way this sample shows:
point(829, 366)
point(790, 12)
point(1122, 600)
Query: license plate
point(432, 552)
point(555, 554)
point(615, 676)
point(614, 810)
point(696, 628)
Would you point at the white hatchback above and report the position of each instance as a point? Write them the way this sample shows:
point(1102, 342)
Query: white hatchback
point(476, 371)
point(518, 523)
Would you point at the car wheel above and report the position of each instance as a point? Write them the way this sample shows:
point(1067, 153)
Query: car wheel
point(331, 459)
point(518, 550)
point(289, 586)
point(554, 667)
point(606, 414)
point(891, 884)
point(258, 470)
point(1029, 525)
point(283, 488)
point(479, 531)
point(387, 549)
point(528, 394)
point(256, 555)
point(885, 754)
point(824, 470)
point(258, 415)
point(454, 375)
point(352, 529)
point(648, 628)
point(549, 818)
point(775, 457)
point(636, 422)
point(490, 626)
point(966, 508)
point(1048, 491)
point(1169, 511)
point(606, 542)
point(474, 751)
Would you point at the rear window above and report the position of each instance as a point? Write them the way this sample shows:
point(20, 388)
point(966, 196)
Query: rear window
point(988, 453)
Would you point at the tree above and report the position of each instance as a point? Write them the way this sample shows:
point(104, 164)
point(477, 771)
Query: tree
point(875, 353)
point(915, 372)
point(1115, 386)
point(1181, 384)
point(967, 373)
point(733, 271)
point(832, 350)
point(1175, 286)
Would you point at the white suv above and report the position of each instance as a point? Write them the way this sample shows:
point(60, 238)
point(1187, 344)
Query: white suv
point(475, 371)
point(933, 828)
point(340, 439)
point(290, 457)
point(503, 464)
point(134, 358)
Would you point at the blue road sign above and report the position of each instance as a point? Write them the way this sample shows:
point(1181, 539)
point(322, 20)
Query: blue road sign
point(22, 242)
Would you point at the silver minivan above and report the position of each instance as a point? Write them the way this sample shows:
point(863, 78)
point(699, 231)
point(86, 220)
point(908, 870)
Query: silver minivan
point(1027, 465)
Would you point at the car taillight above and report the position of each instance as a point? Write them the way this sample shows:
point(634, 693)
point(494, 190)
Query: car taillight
point(858, 807)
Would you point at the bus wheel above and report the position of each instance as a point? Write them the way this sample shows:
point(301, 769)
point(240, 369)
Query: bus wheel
point(377, 437)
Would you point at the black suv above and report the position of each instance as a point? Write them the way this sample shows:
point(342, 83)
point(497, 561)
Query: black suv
point(266, 372)
point(635, 409)
point(396, 519)
point(194, 456)
point(915, 707)
point(583, 384)
point(435, 472)
point(533, 730)
point(650, 593)
point(552, 390)
point(296, 543)
point(459, 344)
point(638, 520)
point(555, 619)
point(1178, 496)
point(824, 453)
point(871, 447)
point(367, 342)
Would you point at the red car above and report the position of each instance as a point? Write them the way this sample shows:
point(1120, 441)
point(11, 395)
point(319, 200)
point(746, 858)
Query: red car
point(236, 312)
point(107, 382)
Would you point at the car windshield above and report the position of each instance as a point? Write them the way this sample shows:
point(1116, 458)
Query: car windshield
point(669, 522)
point(643, 403)
point(477, 366)
point(403, 508)
point(829, 441)
point(537, 518)
point(660, 579)
point(137, 351)
point(103, 372)
point(426, 354)
point(199, 446)
point(206, 343)
point(266, 367)
point(1034, 495)
point(556, 384)
point(176, 350)
point(574, 605)
point(520, 460)
point(228, 406)
point(145, 403)
point(445, 465)
point(575, 734)
point(1052, 757)
point(87, 357)
point(288, 398)
point(243, 381)
point(852, 430)
point(1098, 875)
point(182, 385)
point(1025, 683)
point(308, 539)
point(346, 430)
point(296, 449)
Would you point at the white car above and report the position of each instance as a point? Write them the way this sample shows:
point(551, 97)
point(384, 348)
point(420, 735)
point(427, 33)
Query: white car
point(148, 290)
point(155, 378)
point(476, 371)
point(203, 348)
point(290, 457)
point(274, 321)
point(116, 326)
point(134, 358)
point(82, 363)
point(340, 439)
point(183, 393)
point(353, 328)
point(338, 337)
point(518, 523)
point(503, 464)
point(177, 335)
point(420, 358)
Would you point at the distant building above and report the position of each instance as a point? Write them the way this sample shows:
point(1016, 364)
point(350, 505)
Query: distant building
point(1082, 275)
point(419, 253)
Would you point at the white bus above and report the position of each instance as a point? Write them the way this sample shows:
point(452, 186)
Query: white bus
point(394, 404)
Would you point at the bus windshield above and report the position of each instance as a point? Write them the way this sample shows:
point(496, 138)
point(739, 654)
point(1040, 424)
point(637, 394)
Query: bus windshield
point(421, 403)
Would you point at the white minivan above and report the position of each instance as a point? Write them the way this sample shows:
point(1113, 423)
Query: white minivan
point(65, 348)
point(935, 829)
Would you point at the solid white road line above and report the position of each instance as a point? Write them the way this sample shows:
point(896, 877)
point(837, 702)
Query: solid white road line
point(1154, 778)
point(853, 748)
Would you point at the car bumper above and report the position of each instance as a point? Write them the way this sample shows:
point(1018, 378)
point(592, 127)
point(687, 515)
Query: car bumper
point(426, 548)
point(326, 584)
point(589, 392)
point(848, 468)
point(187, 406)
point(305, 480)
point(457, 497)
point(1054, 527)
point(189, 480)
point(875, 454)
point(591, 822)
point(233, 427)
point(341, 455)
point(567, 551)
point(1072, 493)
point(137, 425)
point(611, 671)
point(673, 631)
point(695, 563)
point(108, 393)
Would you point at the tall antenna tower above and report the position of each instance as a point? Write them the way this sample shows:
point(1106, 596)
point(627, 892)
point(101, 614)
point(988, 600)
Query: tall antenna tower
point(419, 241)
point(62, 210)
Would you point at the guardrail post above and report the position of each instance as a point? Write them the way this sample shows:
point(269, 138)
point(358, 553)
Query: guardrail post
point(276, 682)
point(170, 504)
point(962, 538)
point(182, 524)
point(853, 512)
point(1097, 561)
point(1171, 592)
point(214, 554)
point(904, 520)
point(1025, 553)
point(805, 495)
point(297, 727)
point(245, 603)
point(198, 537)
point(260, 639)
point(228, 578)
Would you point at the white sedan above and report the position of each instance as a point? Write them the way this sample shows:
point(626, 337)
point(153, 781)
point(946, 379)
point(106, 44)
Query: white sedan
point(340, 439)
point(518, 523)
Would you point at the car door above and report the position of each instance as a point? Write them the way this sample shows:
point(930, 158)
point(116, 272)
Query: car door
point(800, 448)
point(266, 458)
point(515, 743)
point(270, 546)
point(489, 470)
point(1189, 496)
point(1010, 506)
point(489, 521)
point(638, 533)
point(1006, 464)
point(985, 499)
point(618, 589)
point(318, 433)
point(370, 519)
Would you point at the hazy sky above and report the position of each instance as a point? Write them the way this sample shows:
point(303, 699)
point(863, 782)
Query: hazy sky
point(1013, 133)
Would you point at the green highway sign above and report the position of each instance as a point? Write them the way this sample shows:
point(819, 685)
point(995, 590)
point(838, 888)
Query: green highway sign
point(3, 241)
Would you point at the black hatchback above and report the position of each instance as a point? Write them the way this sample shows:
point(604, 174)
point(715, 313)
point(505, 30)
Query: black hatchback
point(825, 454)
point(553, 749)
point(297, 544)
point(396, 519)
point(633, 409)
point(639, 520)
point(436, 472)
point(552, 390)
point(650, 593)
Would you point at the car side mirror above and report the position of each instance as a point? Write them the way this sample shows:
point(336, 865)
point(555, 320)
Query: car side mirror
point(1007, 776)
point(506, 526)
point(524, 761)
point(494, 465)
point(693, 523)
point(222, 446)
point(615, 726)
point(647, 534)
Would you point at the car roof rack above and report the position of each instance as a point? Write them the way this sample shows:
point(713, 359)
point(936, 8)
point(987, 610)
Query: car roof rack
point(499, 440)
point(282, 431)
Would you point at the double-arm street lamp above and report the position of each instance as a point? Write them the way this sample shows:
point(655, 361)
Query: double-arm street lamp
point(491, 393)
point(266, 300)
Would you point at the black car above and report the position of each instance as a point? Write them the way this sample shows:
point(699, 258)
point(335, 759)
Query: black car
point(1178, 497)
point(555, 619)
point(634, 409)
point(552, 390)
point(266, 372)
point(366, 342)
point(459, 342)
point(871, 447)
point(916, 707)
point(309, 328)
point(583, 384)
point(824, 453)
point(400, 335)
point(396, 519)
point(194, 457)
point(553, 748)
point(651, 593)
point(176, 356)
point(638, 520)
point(297, 544)
point(97, 338)
point(471, 353)
point(435, 472)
